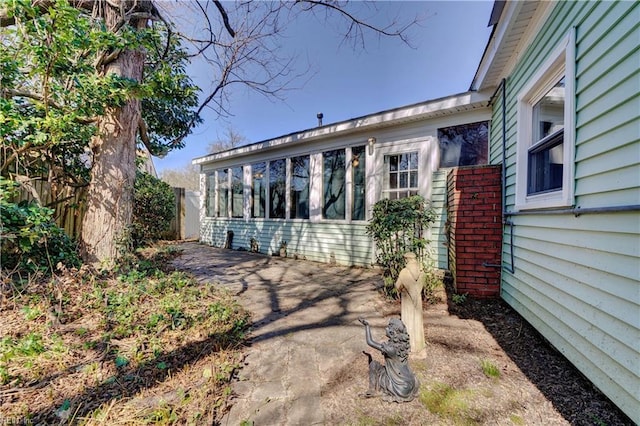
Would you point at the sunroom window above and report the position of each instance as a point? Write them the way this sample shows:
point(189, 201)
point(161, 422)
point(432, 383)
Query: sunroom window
point(237, 192)
point(401, 175)
point(277, 188)
point(258, 189)
point(223, 193)
point(211, 194)
point(333, 184)
point(358, 165)
point(300, 187)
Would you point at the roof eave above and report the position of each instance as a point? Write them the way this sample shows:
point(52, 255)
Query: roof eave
point(496, 42)
point(419, 111)
point(506, 42)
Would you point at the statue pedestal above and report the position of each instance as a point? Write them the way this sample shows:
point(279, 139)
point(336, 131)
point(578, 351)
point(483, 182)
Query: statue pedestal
point(409, 285)
point(420, 355)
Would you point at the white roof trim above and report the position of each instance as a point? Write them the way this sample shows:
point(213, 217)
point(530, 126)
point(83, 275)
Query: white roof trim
point(438, 107)
point(486, 76)
point(495, 42)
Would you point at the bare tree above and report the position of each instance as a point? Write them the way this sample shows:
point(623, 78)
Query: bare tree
point(239, 42)
point(230, 139)
point(187, 177)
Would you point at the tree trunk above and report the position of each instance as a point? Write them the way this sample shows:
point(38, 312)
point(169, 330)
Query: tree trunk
point(110, 193)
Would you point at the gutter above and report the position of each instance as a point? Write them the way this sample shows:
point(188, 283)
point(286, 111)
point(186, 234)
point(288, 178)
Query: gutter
point(424, 110)
point(503, 181)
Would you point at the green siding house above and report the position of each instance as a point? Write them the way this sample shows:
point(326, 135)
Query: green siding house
point(565, 78)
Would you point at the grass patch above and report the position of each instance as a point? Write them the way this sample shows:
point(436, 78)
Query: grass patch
point(366, 420)
point(119, 346)
point(516, 420)
point(449, 403)
point(490, 369)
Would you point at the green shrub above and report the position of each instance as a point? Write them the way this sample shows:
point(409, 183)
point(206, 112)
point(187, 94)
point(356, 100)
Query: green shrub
point(153, 208)
point(397, 227)
point(30, 240)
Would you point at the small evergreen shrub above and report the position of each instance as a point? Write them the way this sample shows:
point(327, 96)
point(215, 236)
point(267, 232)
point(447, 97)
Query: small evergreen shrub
point(153, 208)
point(30, 240)
point(397, 227)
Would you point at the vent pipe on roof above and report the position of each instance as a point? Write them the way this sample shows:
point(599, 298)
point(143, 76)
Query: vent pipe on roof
point(319, 115)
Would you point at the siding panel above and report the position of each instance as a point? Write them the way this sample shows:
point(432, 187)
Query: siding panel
point(322, 242)
point(596, 365)
point(626, 134)
point(438, 240)
point(577, 326)
point(576, 279)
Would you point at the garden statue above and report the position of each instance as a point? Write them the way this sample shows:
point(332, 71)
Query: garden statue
point(394, 379)
point(409, 285)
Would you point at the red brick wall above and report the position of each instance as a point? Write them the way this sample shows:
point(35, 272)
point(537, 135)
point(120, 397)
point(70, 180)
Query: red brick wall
point(474, 212)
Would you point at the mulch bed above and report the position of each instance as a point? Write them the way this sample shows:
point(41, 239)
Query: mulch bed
point(571, 393)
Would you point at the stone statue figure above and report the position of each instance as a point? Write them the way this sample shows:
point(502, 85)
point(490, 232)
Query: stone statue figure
point(409, 285)
point(394, 379)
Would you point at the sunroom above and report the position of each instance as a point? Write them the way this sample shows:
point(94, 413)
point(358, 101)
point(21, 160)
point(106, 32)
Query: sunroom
point(310, 193)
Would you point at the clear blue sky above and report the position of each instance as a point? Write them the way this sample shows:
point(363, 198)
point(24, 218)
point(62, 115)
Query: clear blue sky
point(346, 83)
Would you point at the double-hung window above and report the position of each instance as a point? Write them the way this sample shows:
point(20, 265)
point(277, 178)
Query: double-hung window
point(546, 127)
point(545, 159)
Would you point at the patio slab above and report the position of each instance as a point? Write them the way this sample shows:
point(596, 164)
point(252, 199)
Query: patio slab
point(305, 329)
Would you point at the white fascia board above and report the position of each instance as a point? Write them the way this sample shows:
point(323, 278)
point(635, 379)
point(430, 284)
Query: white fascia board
point(510, 17)
point(495, 43)
point(441, 106)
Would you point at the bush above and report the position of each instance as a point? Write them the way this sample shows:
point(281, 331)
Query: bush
point(397, 227)
point(153, 208)
point(31, 242)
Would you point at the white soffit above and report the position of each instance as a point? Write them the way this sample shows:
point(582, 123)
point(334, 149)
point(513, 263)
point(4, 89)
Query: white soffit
point(519, 22)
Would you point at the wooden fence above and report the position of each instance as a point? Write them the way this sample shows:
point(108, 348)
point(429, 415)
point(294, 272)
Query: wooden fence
point(68, 213)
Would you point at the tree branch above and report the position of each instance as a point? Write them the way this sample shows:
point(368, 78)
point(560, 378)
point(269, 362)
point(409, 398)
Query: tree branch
point(49, 103)
point(225, 18)
point(358, 23)
point(144, 134)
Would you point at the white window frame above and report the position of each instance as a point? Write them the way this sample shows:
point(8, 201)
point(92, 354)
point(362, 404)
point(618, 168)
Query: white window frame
point(560, 63)
point(387, 172)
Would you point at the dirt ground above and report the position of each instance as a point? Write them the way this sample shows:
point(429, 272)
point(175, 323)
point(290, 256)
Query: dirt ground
point(484, 364)
point(535, 385)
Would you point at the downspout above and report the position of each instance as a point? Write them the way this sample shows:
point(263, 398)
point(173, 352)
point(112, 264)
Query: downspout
point(509, 268)
point(503, 182)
